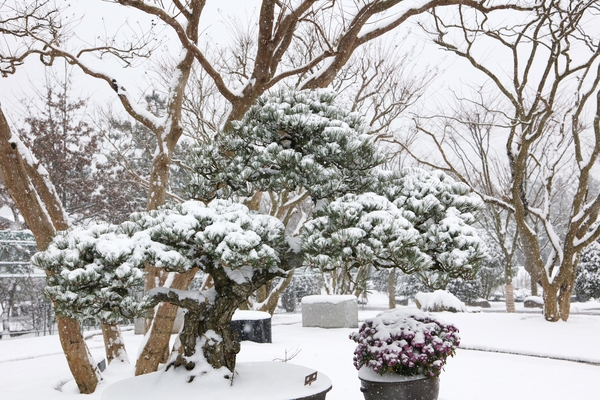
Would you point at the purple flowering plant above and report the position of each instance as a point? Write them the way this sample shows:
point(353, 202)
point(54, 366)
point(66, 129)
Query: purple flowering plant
point(406, 343)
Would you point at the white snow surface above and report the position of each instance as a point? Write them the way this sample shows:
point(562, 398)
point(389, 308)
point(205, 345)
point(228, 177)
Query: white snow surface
point(34, 367)
point(332, 299)
point(250, 315)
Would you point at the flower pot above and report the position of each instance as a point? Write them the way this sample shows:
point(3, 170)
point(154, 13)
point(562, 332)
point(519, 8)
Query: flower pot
point(397, 387)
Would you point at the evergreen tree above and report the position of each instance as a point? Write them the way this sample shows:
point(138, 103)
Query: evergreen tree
point(88, 181)
point(355, 232)
point(442, 211)
point(289, 140)
point(587, 283)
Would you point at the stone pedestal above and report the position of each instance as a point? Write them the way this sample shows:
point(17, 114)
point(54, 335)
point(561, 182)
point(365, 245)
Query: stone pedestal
point(330, 311)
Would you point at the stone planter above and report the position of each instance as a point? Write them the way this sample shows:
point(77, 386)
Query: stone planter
point(397, 387)
point(253, 380)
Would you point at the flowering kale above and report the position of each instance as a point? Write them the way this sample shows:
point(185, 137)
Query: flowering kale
point(413, 343)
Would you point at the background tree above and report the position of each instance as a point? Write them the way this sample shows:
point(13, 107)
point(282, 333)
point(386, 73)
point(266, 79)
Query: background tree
point(545, 84)
point(468, 135)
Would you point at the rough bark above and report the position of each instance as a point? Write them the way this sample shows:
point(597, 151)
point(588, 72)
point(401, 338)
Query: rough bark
point(550, 297)
point(206, 325)
point(114, 345)
point(42, 212)
point(509, 291)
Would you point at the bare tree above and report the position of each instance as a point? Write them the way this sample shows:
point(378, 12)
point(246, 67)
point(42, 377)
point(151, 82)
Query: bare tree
point(545, 76)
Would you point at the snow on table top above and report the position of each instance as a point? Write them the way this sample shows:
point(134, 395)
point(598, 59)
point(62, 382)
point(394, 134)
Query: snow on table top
point(332, 299)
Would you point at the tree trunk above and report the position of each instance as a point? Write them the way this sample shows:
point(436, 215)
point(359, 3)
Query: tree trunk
point(392, 289)
point(534, 286)
point(113, 344)
point(564, 301)
point(78, 356)
point(270, 303)
point(33, 195)
point(551, 303)
point(210, 329)
point(159, 177)
point(206, 331)
point(509, 295)
point(157, 344)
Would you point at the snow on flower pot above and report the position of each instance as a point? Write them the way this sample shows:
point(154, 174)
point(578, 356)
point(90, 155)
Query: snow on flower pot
point(400, 355)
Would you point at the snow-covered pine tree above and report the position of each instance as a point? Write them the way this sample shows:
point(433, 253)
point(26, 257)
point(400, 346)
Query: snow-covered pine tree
point(355, 232)
point(288, 140)
point(92, 279)
point(441, 210)
point(292, 145)
point(587, 283)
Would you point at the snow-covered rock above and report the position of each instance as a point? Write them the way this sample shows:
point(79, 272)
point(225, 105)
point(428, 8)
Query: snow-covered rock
point(439, 300)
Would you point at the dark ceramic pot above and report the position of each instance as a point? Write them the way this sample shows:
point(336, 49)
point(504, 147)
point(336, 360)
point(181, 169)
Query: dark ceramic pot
point(421, 388)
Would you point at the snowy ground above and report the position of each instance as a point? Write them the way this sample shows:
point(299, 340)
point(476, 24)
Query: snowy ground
point(33, 368)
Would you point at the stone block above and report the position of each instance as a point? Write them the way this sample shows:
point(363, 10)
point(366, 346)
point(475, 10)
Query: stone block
point(330, 311)
point(254, 326)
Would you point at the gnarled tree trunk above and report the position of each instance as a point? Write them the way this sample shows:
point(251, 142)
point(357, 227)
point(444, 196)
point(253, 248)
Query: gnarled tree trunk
point(162, 326)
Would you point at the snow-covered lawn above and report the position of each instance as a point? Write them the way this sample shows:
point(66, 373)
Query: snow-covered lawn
point(33, 368)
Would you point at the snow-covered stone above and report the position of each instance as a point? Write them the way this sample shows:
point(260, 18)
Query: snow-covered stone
point(330, 311)
point(439, 300)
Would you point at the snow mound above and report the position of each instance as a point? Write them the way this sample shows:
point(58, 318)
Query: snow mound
point(439, 300)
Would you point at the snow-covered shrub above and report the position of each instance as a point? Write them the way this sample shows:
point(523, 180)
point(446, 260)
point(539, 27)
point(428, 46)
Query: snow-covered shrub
point(303, 284)
point(587, 283)
point(406, 343)
point(439, 300)
point(93, 278)
point(409, 285)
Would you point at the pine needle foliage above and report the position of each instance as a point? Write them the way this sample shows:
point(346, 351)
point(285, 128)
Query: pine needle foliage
point(289, 140)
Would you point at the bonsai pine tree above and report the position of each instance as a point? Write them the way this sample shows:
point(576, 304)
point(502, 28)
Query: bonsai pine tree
point(355, 232)
point(290, 141)
point(287, 141)
point(239, 249)
point(442, 211)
